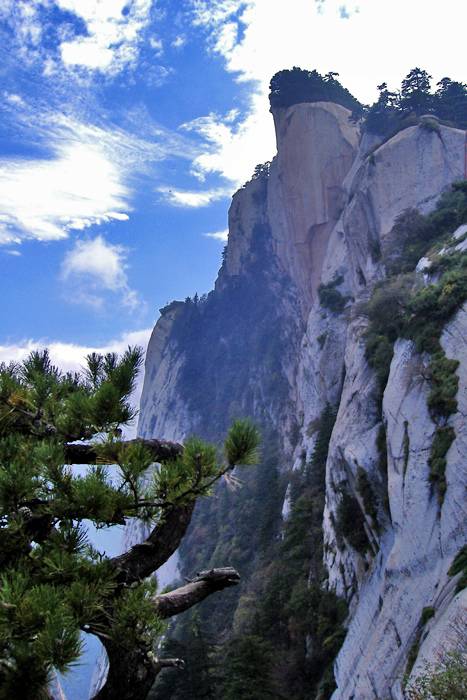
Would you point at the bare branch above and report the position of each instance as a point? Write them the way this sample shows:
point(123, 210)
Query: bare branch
point(205, 583)
point(161, 450)
point(159, 663)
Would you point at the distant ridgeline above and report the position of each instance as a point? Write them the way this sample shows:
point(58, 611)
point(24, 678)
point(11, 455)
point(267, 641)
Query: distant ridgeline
point(391, 112)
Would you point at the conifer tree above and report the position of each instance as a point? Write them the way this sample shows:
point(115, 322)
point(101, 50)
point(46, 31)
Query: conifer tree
point(415, 92)
point(54, 586)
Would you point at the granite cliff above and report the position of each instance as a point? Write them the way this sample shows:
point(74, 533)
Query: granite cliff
point(282, 338)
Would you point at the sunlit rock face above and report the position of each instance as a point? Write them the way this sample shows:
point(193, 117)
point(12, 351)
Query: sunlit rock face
point(262, 345)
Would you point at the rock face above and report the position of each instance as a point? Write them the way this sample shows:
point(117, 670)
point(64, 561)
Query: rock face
point(262, 345)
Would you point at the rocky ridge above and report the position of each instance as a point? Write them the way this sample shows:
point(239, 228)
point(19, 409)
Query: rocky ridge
point(263, 344)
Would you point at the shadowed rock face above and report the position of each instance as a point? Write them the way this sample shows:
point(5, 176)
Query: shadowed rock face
point(262, 345)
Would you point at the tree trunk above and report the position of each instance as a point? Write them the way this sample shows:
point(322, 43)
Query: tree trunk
point(133, 673)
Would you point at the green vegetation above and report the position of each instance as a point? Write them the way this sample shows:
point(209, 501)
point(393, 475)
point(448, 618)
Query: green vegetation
point(427, 614)
point(459, 566)
point(350, 523)
point(401, 308)
point(197, 678)
point(322, 339)
point(397, 110)
point(367, 494)
point(54, 585)
point(284, 611)
point(447, 680)
point(442, 441)
point(330, 297)
point(213, 372)
point(406, 446)
point(248, 669)
point(413, 234)
point(381, 446)
point(290, 87)
point(430, 124)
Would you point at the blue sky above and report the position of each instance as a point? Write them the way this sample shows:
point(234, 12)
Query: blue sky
point(126, 125)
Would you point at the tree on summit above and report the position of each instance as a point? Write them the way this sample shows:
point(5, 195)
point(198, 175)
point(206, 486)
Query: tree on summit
point(54, 586)
point(416, 92)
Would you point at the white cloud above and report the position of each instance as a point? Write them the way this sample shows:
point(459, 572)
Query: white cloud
point(192, 198)
point(95, 266)
point(113, 33)
point(87, 177)
point(156, 44)
point(13, 99)
point(70, 356)
point(79, 187)
point(218, 235)
point(179, 42)
point(257, 38)
point(13, 252)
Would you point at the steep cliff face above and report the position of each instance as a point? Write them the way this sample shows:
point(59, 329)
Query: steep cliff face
point(281, 337)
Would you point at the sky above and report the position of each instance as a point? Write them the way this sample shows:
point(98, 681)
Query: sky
point(127, 125)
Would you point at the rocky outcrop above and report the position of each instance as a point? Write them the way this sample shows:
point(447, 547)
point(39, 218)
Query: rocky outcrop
point(262, 344)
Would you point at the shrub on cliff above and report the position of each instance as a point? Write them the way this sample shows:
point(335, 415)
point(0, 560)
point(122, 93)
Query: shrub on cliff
point(290, 87)
point(447, 680)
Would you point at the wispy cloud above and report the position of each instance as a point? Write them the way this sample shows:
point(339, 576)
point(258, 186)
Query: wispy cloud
point(218, 235)
point(82, 36)
point(193, 198)
point(113, 32)
point(94, 267)
point(179, 42)
point(86, 175)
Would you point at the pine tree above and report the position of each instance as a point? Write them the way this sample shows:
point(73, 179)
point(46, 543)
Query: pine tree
point(248, 670)
point(451, 102)
point(415, 92)
point(54, 585)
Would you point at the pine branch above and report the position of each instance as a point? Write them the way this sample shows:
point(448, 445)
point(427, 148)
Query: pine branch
point(143, 559)
point(161, 450)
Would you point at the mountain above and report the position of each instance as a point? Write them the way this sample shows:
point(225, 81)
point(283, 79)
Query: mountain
point(351, 356)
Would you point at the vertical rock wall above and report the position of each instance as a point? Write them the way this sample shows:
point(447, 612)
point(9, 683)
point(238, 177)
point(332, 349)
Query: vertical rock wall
point(262, 345)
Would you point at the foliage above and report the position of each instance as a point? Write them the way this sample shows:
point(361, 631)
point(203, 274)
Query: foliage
point(330, 297)
point(295, 607)
point(459, 566)
point(281, 607)
point(387, 311)
point(427, 614)
point(249, 662)
point(413, 234)
point(396, 110)
point(214, 372)
point(442, 441)
point(367, 494)
point(322, 339)
point(401, 308)
point(197, 679)
point(289, 87)
point(446, 680)
point(350, 522)
point(406, 445)
point(54, 585)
